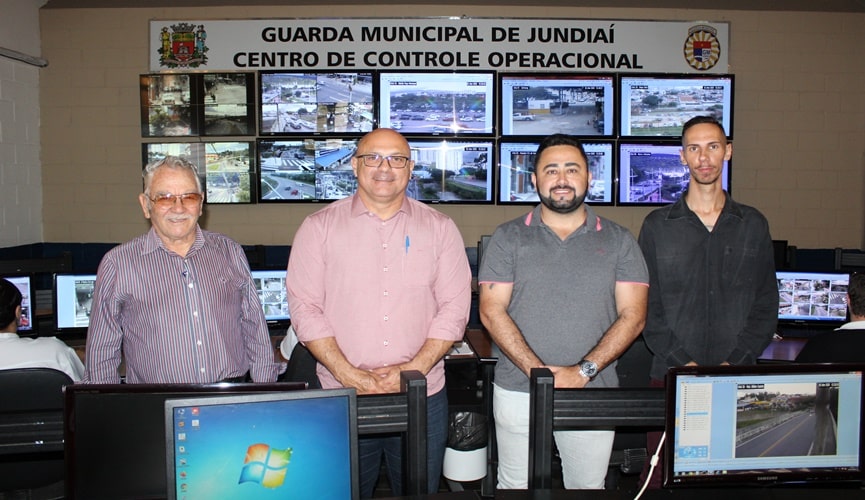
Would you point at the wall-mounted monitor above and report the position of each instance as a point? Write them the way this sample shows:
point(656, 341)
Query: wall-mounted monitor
point(306, 169)
point(73, 298)
point(313, 103)
point(657, 105)
point(652, 173)
point(226, 169)
point(517, 162)
point(548, 103)
point(24, 284)
point(228, 103)
point(270, 285)
point(168, 106)
point(437, 103)
point(452, 170)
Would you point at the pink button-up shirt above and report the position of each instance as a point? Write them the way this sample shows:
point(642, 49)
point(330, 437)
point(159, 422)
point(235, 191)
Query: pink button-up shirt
point(379, 287)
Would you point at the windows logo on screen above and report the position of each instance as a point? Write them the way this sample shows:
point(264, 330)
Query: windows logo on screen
point(265, 465)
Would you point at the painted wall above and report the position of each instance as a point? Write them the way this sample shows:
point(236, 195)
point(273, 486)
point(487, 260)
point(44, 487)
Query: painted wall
point(20, 168)
point(799, 153)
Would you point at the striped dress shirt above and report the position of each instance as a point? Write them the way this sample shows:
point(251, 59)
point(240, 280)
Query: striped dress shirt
point(193, 319)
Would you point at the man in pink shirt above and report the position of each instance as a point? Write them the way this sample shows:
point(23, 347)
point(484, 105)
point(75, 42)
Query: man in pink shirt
point(379, 283)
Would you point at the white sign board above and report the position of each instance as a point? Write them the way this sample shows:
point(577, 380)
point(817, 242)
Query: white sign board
point(440, 44)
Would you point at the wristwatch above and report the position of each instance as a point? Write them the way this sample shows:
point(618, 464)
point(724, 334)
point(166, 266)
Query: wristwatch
point(588, 368)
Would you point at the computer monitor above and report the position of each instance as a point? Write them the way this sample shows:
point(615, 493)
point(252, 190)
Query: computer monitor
point(270, 285)
point(24, 284)
point(517, 162)
point(812, 298)
point(652, 173)
point(73, 296)
point(660, 104)
point(114, 435)
point(571, 103)
point(299, 444)
point(764, 424)
point(453, 170)
point(437, 102)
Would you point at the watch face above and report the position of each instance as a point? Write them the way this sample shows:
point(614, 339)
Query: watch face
point(588, 368)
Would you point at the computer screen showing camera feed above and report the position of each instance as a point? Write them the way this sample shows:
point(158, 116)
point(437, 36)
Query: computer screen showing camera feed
point(306, 169)
point(229, 99)
point(451, 171)
point(437, 103)
point(658, 105)
point(24, 285)
point(517, 162)
point(73, 298)
point(810, 297)
point(225, 168)
point(544, 104)
point(167, 106)
point(653, 173)
point(776, 424)
point(316, 103)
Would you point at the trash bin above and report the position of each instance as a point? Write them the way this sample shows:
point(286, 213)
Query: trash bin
point(466, 452)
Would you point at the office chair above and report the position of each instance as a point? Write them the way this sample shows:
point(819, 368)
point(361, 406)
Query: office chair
point(31, 427)
point(301, 367)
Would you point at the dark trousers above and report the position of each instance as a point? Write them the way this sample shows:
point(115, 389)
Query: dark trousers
point(372, 449)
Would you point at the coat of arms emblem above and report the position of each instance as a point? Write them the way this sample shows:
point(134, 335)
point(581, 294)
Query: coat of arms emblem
point(183, 46)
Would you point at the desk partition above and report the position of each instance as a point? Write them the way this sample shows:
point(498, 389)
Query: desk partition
point(582, 409)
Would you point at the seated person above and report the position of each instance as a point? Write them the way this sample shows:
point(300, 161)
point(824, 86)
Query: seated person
point(43, 352)
point(847, 343)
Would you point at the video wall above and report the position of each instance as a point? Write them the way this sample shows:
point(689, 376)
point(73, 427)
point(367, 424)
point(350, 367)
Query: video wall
point(288, 137)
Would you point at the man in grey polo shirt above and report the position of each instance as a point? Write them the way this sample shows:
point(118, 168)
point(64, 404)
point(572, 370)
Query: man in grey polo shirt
point(565, 289)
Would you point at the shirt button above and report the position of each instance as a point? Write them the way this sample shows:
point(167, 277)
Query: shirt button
point(386, 342)
point(202, 369)
point(385, 318)
point(384, 245)
point(385, 269)
point(385, 293)
point(195, 313)
point(189, 285)
point(198, 342)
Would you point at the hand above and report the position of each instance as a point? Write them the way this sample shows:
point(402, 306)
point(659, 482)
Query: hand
point(389, 380)
point(568, 377)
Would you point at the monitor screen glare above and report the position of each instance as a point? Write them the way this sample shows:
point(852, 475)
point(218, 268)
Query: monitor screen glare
point(437, 103)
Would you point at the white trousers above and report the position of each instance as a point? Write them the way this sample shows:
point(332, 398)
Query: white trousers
point(585, 454)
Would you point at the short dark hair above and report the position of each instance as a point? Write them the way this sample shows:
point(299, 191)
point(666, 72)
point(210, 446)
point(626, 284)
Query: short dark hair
point(559, 140)
point(10, 299)
point(697, 120)
point(856, 293)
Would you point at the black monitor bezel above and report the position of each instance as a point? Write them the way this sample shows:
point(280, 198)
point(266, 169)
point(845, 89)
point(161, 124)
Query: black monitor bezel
point(453, 130)
point(32, 329)
point(535, 141)
point(280, 322)
point(505, 111)
point(831, 322)
point(85, 478)
point(267, 144)
point(60, 329)
point(761, 477)
point(315, 131)
point(624, 108)
point(469, 141)
point(349, 394)
point(666, 143)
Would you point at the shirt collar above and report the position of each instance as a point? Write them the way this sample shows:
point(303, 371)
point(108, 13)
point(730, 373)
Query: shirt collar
point(153, 242)
point(358, 208)
point(533, 218)
point(8, 336)
point(680, 209)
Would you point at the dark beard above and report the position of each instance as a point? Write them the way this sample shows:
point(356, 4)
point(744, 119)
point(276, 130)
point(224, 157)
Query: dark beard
point(562, 207)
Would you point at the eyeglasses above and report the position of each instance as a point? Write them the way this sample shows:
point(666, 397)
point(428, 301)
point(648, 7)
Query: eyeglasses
point(374, 160)
point(168, 200)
